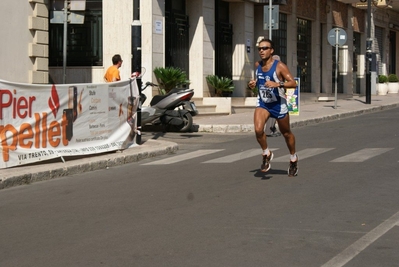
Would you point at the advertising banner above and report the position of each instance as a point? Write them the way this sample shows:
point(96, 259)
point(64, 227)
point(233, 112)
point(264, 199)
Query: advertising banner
point(292, 95)
point(41, 122)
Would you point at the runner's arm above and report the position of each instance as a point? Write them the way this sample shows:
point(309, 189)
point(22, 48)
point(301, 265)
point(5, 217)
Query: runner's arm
point(285, 75)
point(252, 83)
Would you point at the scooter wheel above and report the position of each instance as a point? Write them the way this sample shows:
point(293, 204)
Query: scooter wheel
point(188, 123)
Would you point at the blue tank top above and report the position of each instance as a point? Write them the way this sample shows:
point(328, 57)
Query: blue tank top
point(273, 99)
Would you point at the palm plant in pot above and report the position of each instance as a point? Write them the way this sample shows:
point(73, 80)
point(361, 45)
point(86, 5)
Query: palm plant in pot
point(255, 91)
point(393, 83)
point(222, 86)
point(169, 78)
point(382, 87)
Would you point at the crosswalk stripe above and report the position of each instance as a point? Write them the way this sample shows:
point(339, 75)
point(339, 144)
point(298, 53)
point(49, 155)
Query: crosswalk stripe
point(303, 154)
point(238, 156)
point(362, 155)
point(182, 157)
point(359, 156)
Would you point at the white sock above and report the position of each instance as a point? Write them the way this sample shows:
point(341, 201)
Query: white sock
point(266, 152)
point(293, 157)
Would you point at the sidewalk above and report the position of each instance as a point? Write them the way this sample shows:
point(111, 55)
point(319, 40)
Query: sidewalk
point(310, 113)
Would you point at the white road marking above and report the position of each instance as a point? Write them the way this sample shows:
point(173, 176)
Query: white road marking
point(358, 156)
point(349, 253)
point(362, 155)
point(239, 156)
point(183, 157)
point(303, 154)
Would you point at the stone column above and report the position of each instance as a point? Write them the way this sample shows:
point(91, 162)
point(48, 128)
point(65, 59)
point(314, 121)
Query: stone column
point(242, 18)
point(202, 36)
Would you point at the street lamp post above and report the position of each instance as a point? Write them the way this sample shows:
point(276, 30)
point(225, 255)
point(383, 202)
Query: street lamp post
point(136, 59)
point(64, 44)
point(270, 19)
point(369, 44)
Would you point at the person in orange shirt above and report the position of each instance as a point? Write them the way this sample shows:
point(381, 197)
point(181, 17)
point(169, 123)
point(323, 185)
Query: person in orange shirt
point(112, 74)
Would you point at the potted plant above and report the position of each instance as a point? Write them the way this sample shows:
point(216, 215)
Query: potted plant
point(382, 87)
point(255, 91)
point(169, 78)
point(222, 86)
point(393, 85)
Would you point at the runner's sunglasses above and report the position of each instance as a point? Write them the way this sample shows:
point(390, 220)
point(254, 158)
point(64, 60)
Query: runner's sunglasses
point(264, 48)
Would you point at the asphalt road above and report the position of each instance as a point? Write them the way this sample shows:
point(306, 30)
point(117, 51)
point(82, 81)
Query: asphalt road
point(208, 205)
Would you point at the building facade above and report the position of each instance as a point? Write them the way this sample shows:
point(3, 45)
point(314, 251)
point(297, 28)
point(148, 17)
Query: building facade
point(200, 36)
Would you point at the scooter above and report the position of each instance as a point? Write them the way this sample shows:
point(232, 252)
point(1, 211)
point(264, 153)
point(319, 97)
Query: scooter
point(174, 110)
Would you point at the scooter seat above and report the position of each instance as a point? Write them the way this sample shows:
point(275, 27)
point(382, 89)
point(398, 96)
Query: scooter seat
point(158, 98)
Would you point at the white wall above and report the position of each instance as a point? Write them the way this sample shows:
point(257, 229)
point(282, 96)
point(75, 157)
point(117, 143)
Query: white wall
point(117, 21)
point(15, 37)
point(153, 40)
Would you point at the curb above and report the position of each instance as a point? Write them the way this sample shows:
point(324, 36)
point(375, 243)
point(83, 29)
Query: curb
point(47, 171)
point(224, 128)
point(245, 128)
point(343, 115)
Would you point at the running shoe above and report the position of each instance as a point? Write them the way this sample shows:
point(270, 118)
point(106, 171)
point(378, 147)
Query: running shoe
point(293, 169)
point(266, 162)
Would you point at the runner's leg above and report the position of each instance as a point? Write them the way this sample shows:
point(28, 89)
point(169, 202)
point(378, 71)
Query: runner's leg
point(260, 117)
point(284, 127)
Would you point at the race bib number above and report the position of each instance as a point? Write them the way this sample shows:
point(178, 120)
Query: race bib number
point(267, 94)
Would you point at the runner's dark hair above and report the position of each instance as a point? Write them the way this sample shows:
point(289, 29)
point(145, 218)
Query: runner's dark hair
point(269, 41)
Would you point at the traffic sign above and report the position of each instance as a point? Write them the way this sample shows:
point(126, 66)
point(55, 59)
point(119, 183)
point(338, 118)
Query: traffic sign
point(337, 36)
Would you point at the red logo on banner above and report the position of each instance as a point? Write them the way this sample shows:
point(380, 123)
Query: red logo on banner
point(54, 101)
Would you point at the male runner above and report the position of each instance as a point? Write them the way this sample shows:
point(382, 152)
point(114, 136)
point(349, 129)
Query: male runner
point(272, 77)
